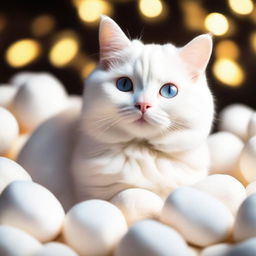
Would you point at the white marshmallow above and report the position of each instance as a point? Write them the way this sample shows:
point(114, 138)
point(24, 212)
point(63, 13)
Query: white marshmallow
point(20, 78)
point(195, 251)
point(11, 171)
point(225, 149)
point(75, 101)
point(7, 94)
point(32, 208)
point(235, 118)
point(138, 204)
point(149, 237)
point(226, 188)
point(216, 250)
point(245, 223)
point(9, 130)
point(55, 249)
point(94, 227)
point(251, 188)
point(252, 126)
point(15, 242)
point(199, 217)
point(248, 160)
point(245, 248)
point(41, 97)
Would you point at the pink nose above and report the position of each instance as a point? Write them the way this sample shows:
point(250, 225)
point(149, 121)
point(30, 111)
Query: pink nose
point(143, 106)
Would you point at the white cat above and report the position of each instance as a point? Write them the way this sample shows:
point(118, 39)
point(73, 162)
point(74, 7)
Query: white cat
point(147, 111)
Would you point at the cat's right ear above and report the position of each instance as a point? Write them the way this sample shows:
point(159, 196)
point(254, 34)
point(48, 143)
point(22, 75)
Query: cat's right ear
point(196, 54)
point(111, 40)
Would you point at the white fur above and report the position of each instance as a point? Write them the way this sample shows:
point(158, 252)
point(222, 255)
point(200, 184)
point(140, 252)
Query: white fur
point(114, 152)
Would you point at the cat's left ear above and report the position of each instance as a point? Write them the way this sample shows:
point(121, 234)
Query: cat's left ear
point(111, 39)
point(196, 54)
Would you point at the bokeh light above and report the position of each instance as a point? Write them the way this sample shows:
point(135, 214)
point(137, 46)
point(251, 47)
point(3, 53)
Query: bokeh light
point(242, 7)
point(88, 68)
point(253, 41)
point(90, 10)
point(72, 56)
point(228, 72)
point(77, 3)
point(253, 15)
point(120, 1)
point(42, 25)
point(22, 52)
point(194, 15)
point(227, 49)
point(63, 51)
point(151, 8)
point(216, 23)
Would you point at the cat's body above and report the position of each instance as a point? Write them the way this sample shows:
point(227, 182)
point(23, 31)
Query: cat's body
point(147, 112)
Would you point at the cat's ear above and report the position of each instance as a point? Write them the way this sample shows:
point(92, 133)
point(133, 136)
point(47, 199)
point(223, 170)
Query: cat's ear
point(196, 54)
point(111, 40)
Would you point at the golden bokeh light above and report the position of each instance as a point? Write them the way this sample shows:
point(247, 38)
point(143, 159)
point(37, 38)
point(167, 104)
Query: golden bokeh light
point(90, 10)
point(151, 8)
point(77, 3)
point(88, 68)
point(22, 52)
point(253, 41)
point(194, 15)
point(227, 49)
point(228, 72)
point(253, 15)
point(120, 1)
point(42, 25)
point(63, 51)
point(216, 23)
point(242, 7)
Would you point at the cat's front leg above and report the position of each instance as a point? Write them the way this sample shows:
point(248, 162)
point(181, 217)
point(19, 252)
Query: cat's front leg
point(138, 204)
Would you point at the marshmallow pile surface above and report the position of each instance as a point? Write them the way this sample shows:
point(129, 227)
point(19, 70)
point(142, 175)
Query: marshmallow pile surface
point(213, 217)
point(26, 102)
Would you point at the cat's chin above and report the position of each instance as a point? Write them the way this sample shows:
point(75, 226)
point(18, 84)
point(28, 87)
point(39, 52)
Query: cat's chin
point(142, 129)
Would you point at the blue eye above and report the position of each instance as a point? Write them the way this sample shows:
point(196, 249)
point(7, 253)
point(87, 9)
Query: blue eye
point(168, 90)
point(124, 84)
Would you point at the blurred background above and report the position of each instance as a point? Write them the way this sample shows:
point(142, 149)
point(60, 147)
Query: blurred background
point(61, 37)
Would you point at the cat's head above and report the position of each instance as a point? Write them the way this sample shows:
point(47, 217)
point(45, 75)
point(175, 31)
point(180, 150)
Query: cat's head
point(150, 92)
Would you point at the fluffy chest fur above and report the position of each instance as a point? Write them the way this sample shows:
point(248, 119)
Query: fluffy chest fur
point(101, 171)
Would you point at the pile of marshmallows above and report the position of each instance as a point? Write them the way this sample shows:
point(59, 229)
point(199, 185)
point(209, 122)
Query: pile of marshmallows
point(28, 100)
point(214, 217)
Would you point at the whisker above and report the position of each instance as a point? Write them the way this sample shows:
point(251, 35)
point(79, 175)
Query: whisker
point(97, 124)
point(105, 115)
point(125, 109)
point(164, 132)
point(177, 126)
point(103, 120)
point(102, 123)
point(115, 122)
point(159, 118)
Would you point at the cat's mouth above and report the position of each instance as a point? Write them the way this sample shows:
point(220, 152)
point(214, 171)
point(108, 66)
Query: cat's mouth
point(141, 121)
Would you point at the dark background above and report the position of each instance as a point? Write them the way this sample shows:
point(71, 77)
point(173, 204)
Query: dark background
point(18, 15)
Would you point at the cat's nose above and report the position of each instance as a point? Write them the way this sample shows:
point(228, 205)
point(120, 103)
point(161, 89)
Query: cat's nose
point(143, 106)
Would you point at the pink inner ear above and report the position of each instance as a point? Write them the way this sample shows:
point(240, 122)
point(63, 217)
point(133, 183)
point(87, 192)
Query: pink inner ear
point(111, 39)
point(196, 55)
